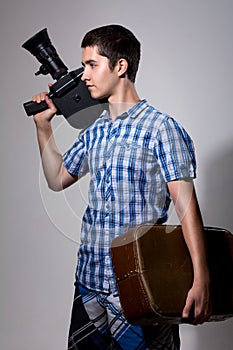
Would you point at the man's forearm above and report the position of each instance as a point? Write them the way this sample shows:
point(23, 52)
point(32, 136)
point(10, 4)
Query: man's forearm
point(193, 232)
point(184, 197)
point(50, 156)
point(187, 208)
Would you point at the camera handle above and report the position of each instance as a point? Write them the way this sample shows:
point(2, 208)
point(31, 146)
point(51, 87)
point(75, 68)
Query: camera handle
point(59, 89)
point(32, 108)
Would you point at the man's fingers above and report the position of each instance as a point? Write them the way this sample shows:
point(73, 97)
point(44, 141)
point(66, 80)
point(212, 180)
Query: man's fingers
point(39, 97)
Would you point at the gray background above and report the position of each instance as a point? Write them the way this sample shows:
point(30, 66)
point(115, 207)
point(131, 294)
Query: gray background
point(186, 70)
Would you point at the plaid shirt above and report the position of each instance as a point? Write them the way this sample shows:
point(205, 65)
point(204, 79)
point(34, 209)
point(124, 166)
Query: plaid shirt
point(130, 160)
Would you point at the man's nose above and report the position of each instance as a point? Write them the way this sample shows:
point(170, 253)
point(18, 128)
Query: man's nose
point(85, 75)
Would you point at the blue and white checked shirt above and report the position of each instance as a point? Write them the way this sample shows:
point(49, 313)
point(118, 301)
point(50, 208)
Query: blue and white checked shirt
point(130, 160)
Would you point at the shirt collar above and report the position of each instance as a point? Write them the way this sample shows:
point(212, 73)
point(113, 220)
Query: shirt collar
point(136, 109)
point(132, 112)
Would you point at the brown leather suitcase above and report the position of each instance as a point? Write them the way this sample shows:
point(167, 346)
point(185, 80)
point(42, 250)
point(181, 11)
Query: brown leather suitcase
point(153, 270)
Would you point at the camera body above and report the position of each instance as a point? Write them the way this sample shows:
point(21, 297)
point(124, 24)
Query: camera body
point(69, 93)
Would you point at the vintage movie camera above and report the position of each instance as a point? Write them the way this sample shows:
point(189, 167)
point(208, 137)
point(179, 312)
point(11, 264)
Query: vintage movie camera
point(69, 93)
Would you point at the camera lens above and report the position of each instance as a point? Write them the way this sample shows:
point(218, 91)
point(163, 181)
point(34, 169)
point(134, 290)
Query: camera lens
point(40, 46)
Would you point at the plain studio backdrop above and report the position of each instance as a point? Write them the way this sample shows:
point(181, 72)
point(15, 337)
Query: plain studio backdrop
point(186, 70)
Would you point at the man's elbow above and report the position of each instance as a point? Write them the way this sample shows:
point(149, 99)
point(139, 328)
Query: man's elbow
point(61, 181)
point(55, 186)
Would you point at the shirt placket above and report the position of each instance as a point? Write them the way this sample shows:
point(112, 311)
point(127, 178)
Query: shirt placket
point(111, 141)
point(109, 197)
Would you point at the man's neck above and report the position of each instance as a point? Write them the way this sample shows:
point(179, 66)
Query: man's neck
point(125, 98)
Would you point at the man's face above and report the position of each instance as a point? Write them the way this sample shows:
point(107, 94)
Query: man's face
point(100, 80)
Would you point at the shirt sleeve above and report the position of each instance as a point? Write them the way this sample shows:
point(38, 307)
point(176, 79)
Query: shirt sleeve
point(75, 159)
point(175, 151)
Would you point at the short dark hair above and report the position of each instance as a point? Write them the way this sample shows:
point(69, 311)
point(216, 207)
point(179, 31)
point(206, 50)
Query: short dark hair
point(115, 42)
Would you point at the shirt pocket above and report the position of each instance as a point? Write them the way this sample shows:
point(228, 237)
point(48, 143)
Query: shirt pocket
point(133, 156)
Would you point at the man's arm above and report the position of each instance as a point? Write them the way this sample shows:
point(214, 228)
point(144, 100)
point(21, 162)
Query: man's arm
point(56, 174)
point(187, 208)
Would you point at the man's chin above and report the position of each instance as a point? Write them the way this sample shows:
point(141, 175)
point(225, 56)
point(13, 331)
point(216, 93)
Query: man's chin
point(97, 96)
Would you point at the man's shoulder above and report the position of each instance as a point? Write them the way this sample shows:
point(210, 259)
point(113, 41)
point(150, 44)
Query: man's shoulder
point(100, 120)
point(154, 115)
point(163, 117)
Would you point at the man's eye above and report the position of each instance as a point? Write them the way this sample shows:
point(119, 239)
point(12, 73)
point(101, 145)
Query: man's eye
point(93, 65)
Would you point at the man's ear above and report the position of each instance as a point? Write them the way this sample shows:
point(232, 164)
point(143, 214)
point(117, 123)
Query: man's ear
point(122, 66)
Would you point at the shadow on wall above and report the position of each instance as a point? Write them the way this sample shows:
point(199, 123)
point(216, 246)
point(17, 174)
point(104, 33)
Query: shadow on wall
point(218, 206)
point(218, 211)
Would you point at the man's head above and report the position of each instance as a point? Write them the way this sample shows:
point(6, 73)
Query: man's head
point(115, 42)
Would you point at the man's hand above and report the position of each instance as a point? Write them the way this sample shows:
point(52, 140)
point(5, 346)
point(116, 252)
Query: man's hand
point(48, 114)
point(198, 307)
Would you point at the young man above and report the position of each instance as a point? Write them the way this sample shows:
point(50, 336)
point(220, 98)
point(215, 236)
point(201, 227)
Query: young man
point(139, 159)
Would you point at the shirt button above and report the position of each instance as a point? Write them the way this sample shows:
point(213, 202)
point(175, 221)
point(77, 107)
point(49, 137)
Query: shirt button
point(108, 206)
